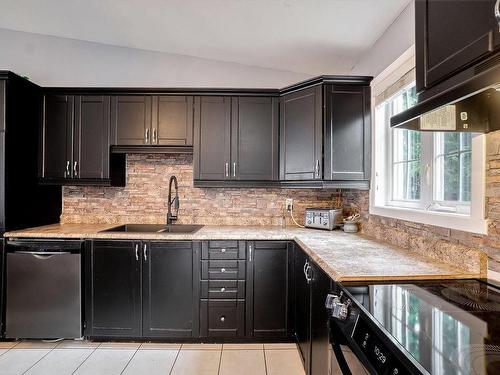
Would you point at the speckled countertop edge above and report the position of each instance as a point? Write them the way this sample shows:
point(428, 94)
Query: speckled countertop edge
point(344, 257)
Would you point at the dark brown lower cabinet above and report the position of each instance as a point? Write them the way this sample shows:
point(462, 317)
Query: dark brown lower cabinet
point(170, 289)
point(311, 320)
point(113, 289)
point(140, 289)
point(320, 287)
point(269, 289)
point(302, 307)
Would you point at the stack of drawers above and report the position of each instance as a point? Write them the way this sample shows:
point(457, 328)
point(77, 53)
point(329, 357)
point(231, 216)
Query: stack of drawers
point(223, 271)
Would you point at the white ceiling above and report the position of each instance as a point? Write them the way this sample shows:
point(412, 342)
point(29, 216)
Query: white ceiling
point(303, 36)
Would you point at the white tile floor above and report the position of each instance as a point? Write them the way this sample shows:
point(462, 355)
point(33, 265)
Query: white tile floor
point(84, 357)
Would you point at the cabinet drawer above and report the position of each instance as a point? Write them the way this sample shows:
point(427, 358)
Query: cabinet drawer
point(223, 270)
point(222, 244)
point(225, 318)
point(223, 253)
point(223, 289)
point(222, 264)
point(230, 250)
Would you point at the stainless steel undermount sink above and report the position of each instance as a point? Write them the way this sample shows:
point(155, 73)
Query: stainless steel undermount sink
point(155, 228)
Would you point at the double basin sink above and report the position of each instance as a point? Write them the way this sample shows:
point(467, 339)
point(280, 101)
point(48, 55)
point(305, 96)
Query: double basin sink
point(155, 228)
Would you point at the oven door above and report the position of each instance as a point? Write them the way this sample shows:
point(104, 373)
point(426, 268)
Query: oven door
point(342, 359)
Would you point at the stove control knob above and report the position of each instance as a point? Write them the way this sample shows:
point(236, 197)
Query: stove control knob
point(337, 309)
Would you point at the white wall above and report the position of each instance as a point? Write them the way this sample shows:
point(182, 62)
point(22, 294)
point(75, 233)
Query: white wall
point(54, 61)
point(397, 39)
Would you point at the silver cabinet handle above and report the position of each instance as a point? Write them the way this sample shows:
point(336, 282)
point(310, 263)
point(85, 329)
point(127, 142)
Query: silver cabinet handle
point(222, 250)
point(227, 170)
point(222, 270)
point(316, 169)
point(67, 173)
point(249, 253)
point(137, 251)
point(146, 136)
point(155, 139)
point(75, 169)
point(145, 252)
point(222, 318)
point(497, 13)
point(304, 268)
point(307, 267)
point(222, 289)
point(308, 277)
point(234, 169)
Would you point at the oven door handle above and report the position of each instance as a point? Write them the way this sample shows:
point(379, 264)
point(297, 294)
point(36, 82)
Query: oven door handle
point(339, 355)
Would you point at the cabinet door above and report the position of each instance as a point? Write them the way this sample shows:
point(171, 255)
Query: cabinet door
point(114, 289)
point(268, 289)
point(57, 136)
point(212, 138)
point(302, 307)
point(451, 35)
point(254, 151)
point(320, 287)
point(301, 135)
point(347, 133)
point(171, 289)
point(91, 137)
point(131, 120)
point(172, 121)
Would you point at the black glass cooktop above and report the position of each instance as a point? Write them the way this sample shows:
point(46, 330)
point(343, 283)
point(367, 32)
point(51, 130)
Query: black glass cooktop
point(449, 327)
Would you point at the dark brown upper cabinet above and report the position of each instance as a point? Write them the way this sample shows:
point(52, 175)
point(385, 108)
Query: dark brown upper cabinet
point(212, 137)
point(75, 146)
point(91, 137)
point(172, 121)
point(57, 136)
point(143, 120)
point(131, 120)
point(301, 135)
point(451, 36)
point(236, 138)
point(325, 134)
point(347, 133)
point(254, 134)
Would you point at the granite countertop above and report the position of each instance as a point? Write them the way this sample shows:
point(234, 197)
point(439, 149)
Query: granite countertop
point(345, 257)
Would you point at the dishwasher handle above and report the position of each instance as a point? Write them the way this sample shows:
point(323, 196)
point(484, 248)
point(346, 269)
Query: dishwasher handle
point(42, 254)
point(44, 246)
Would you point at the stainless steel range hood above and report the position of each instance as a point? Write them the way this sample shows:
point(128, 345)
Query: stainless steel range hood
point(470, 106)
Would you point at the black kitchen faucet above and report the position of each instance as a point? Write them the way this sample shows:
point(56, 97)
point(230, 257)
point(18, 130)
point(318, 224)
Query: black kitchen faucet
point(172, 201)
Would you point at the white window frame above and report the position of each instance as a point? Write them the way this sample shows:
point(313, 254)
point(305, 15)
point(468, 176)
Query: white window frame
point(380, 193)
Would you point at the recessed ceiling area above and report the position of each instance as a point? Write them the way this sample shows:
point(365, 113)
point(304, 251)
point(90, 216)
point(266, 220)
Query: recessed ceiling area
point(310, 37)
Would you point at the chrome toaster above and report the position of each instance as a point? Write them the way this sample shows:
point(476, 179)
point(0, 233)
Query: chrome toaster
point(323, 218)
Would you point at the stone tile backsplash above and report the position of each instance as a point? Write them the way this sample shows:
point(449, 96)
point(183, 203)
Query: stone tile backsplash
point(144, 199)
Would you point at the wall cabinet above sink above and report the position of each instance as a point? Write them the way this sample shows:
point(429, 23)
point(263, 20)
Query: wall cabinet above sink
point(145, 120)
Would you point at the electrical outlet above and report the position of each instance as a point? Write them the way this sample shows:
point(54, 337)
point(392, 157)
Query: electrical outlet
point(289, 204)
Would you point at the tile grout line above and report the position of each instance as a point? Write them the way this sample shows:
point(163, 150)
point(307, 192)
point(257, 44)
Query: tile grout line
point(85, 360)
point(34, 364)
point(131, 358)
point(220, 359)
point(175, 360)
point(265, 360)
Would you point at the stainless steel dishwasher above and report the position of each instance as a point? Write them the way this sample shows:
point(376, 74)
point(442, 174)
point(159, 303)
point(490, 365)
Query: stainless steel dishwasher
point(44, 289)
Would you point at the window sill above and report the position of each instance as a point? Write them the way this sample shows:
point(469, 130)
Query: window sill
point(439, 219)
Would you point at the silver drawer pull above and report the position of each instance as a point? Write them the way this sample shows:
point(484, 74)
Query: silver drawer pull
point(222, 289)
point(222, 250)
point(222, 318)
point(222, 270)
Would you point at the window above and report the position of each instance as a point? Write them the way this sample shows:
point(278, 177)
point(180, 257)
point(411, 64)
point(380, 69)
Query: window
point(425, 176)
